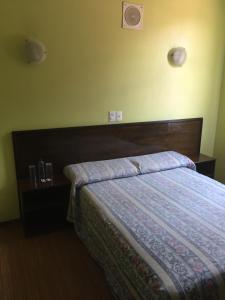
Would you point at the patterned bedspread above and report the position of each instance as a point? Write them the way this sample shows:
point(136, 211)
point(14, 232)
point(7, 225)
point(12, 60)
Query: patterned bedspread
point(157, 236)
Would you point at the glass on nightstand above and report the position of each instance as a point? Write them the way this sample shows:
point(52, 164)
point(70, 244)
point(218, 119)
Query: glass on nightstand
point(49, 172)
point(33, 175)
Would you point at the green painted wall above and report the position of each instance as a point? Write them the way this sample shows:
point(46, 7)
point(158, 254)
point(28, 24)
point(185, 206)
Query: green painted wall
point(220, 137)
point(94, 66)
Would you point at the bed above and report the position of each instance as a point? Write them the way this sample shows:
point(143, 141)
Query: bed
point(157, 227)
point(157, 232)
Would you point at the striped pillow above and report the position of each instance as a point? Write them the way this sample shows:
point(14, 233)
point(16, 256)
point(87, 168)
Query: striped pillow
point(162, 161)
point(94, 171)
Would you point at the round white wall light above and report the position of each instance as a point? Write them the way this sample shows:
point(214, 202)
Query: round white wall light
point(177, 56)
point(35, 51)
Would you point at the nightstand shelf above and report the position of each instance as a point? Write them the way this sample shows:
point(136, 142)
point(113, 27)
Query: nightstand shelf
point(43, 208)
point(205, 165)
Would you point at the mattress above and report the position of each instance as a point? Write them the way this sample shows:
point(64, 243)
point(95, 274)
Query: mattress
point(157, 236)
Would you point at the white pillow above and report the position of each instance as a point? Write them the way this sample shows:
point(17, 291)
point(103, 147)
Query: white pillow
point(94, 171)
point(162, 161)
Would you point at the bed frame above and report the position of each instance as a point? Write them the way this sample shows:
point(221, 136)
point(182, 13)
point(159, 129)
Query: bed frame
point(63, 146)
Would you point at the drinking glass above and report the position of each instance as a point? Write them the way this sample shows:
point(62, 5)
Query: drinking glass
point(33, 175)
point(41, 171)
point(49, 172)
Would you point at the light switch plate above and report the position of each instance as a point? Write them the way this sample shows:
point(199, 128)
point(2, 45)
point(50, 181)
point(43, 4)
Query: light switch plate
point(119, 116)
point(112, 116)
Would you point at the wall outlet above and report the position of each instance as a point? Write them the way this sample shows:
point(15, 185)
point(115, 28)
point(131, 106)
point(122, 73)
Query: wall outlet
point(119, 116)
point(112, 116)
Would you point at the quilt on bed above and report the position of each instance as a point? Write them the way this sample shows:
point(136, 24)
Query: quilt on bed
point(157, 236)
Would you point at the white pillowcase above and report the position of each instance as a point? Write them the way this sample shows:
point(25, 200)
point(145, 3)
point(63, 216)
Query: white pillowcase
point(94, 171)
point(162, 161)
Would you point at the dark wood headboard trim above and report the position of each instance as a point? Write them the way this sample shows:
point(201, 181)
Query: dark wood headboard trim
point(63, 146)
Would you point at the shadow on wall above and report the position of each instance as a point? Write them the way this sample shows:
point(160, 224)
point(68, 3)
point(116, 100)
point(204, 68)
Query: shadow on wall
point(14, 46)
point(9, 206)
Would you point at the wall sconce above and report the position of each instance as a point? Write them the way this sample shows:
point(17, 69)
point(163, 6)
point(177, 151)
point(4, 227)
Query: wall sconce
point(35, 51)
point(177, 56)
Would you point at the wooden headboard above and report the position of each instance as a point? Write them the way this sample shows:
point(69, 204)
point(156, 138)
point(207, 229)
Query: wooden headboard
point(63, 146)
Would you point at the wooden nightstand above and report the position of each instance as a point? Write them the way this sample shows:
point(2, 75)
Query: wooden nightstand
point(43, 208)
point(205, 165)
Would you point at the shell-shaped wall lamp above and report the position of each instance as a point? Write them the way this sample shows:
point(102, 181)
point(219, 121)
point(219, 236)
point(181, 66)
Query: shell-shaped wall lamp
point(35, 51)
point(177, 56)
